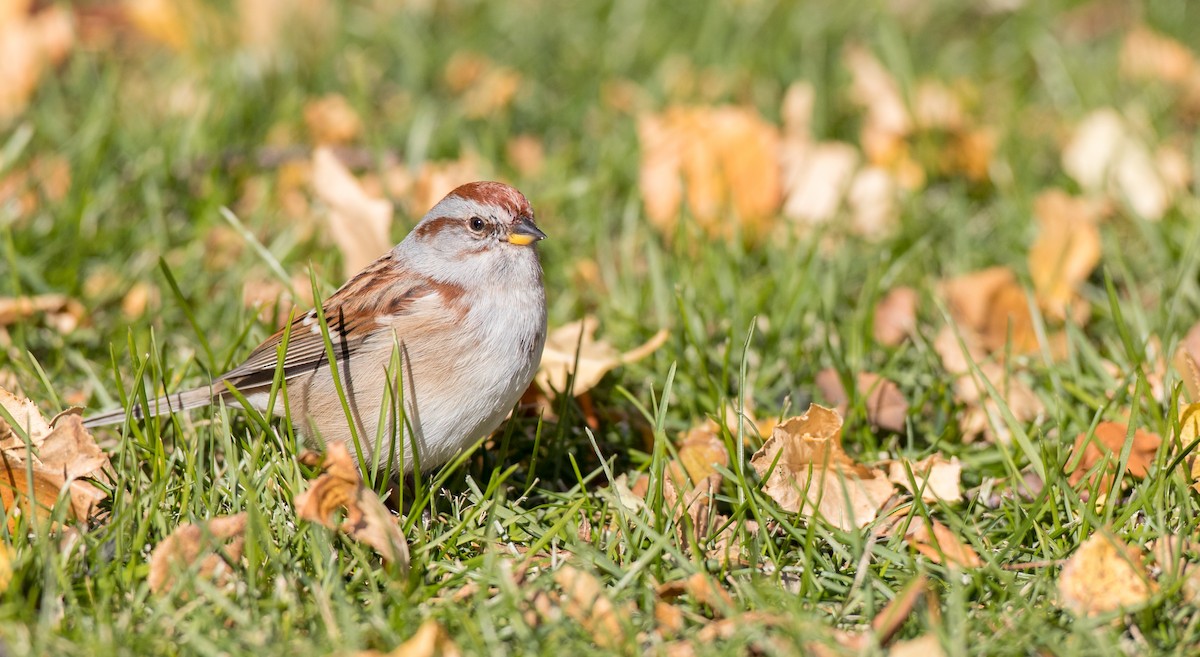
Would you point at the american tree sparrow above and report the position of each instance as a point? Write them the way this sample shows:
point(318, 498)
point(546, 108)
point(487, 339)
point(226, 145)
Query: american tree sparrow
point(460, 301)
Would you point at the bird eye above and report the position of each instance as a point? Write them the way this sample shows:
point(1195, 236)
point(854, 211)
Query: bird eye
point(477, 224)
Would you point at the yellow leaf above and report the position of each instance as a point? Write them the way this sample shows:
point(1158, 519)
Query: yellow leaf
point(1065, 252)
point(1104, 575)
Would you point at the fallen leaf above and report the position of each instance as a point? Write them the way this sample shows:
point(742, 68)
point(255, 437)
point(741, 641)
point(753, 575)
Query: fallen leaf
point(430, 640)
point(701, 450)
point(702, 588)
point(30, 43)
point(719, 158)
point(891, 618)
point(814, 476)
point(938, 544)
point(331, 121)
point(437, 179)
point(885, 404)
point(6, 569)
point(936, 477)
point(982, 415)
point(215, 544)
point(896, 316)
point(586, 602)
point(1106, 155)
point(61, 455)
point(595, 357)
point(1175, 558)
point(816, 178)
point(1146, 54)
point(367, 520)
point(1106, 443)
point(993, 307)
point(359, 224)
point(727, 546)
point(923, 646)
point(1065, 252)
point(527, 155)
point(61, 312)
point(1104, 575)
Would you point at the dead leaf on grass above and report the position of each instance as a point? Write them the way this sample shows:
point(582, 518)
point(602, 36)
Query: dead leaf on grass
point(896, 316)
point(331, 121)
point(1107, 155)
point(936, 477)
point(367, 520)
point(982, 415)
point(1106, 444)
point(1065, 252)
point(702, 588)
point(940, 545)
point(923, 646)
point(813, 476)
point(586, 602)
point(719, 158)
point(430, 640)
point(1104, 575)
point(596, 357)
point(64, 458)
point(31, 42)
point(61, 312)
point(216, 544)
point(358, 223)
point(885, 405)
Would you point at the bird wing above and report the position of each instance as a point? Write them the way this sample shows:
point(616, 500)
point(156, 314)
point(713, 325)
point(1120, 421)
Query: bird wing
point(353, 315)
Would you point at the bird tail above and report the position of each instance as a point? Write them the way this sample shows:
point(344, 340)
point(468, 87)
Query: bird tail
point(162, 406)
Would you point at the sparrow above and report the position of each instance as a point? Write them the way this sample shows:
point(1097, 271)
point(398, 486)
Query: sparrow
point(459, 305)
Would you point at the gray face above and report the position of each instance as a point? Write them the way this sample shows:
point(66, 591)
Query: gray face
point(468, 241)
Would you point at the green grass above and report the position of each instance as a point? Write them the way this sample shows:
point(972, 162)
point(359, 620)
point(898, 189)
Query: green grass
point(753, 322)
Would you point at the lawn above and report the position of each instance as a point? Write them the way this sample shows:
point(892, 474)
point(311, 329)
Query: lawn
point(980, 218)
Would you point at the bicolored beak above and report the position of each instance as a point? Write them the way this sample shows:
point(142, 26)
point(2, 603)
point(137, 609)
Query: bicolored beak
point(524, 232)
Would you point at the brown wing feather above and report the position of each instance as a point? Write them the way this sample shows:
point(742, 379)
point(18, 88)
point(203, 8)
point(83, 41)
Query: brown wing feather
point(352, 314)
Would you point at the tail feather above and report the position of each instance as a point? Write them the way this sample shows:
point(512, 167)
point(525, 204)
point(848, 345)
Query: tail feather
point(162, 406)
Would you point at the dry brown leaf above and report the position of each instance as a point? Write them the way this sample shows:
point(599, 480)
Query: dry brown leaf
point(596, 357)
point(1189, 432)
point(982, 414)
point(700, 450)
point(331, 121)
point(359, 224)
point(430, 640)
point(936, 477)
point(437, 179)
point(216, 544)
point(923, 646)
point(64, 457)
point(367, 520)
point(1107, 443)
point(264, 25)
point(47, 177)
point(896, 316)
point(702, 588)
point(61, 312)
point(1104, 575)
point(993, 307)
point(1146, 54)
point(1066, 250)
point(885, 404)
point(813, 474)
point(667, 617)
point(586, 602)
point(527, 155)
point(720, 158)
point(938, 544)
point(30, 43)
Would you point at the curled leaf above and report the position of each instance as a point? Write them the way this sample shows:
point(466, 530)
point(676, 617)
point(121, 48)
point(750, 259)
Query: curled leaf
point(339, 488)
point(810, 474)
